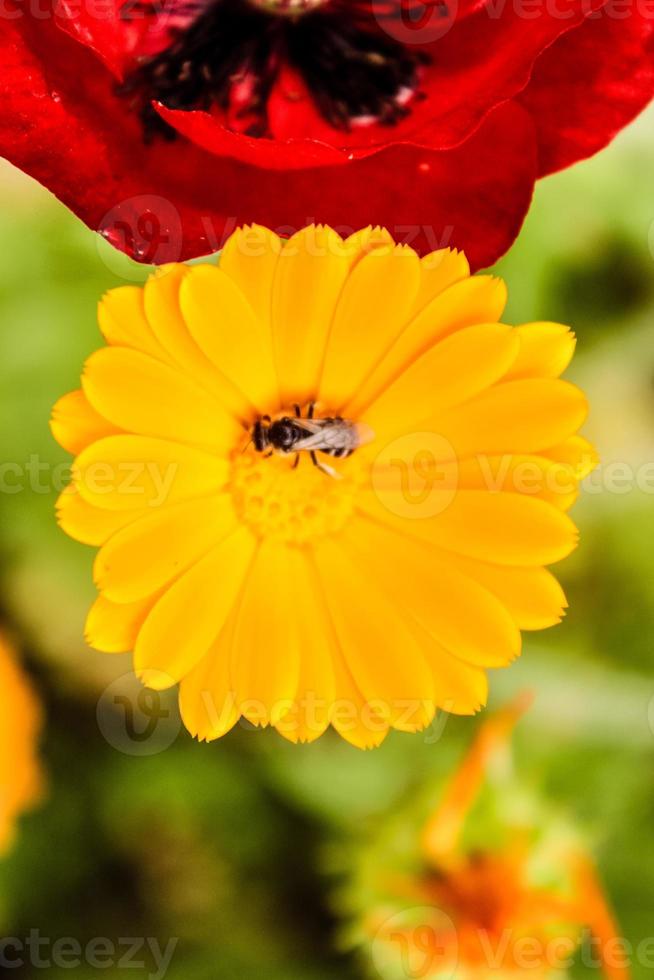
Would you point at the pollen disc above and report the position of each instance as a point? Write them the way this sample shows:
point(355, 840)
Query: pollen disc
point(295, 505)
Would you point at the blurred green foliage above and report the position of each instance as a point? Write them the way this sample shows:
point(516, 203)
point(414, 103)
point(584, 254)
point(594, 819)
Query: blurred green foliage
point(230, 847)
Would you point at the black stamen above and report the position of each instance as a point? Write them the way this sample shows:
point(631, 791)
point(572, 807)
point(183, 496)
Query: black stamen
point(352, 73)
point(353, 69)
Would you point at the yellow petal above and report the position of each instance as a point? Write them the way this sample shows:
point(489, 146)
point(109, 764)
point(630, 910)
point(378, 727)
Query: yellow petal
point(265, 657)
point(88, 524)
point(123, 322)
point(309, 278)
point(355, 720)
point(514, 417)
point(113, 627)
point(368, 240)
point(439, 271)
point(308, 716)
point(250, 258)
point(148, 554)
point(455, 610)
point(480, 299)
point(373, 308)
point(358, 722)
point(504, 528)
point(534, 476)
point(161, 298)
point(226, 329)
point(144, 396)
point(532, 596)
point(452, 372)
point(381, 651)
point(418, 474)
point(477, 299)
point(459, 688)
point(577, 453)
point(75, 423)
point(546, 349)
point(129, 472)
point(206, 694)
point(185, 622)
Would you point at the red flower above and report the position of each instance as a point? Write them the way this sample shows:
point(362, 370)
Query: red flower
point(165, 123)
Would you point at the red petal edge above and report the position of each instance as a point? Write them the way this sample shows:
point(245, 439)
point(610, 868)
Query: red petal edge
point(591, 84)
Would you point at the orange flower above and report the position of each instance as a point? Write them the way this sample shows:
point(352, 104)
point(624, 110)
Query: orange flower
point(20, 721)
point(518, 906)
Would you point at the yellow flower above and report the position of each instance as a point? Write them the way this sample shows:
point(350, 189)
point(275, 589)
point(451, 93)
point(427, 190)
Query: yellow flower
point(366, 591)
point(20, 721)
point(492, 888)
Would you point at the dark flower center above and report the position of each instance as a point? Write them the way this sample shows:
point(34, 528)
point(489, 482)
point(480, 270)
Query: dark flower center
point(289, 8)
point(229, 54)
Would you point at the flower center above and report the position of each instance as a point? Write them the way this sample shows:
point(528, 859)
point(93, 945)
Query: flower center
point(480, 892)
point(296, 505)
point(226, 56)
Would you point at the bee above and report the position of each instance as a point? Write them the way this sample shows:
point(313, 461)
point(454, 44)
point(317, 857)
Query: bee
point(336, 437)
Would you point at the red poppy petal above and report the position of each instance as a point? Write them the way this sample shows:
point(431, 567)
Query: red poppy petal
point(209, 133)
point(482, 61)
point(590, 84)
point(119, 31)
point(474, 197)
point(171, 201)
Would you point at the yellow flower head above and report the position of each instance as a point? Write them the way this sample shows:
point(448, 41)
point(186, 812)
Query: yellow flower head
point(325, 479)
point(492, 887)
point(20, 721)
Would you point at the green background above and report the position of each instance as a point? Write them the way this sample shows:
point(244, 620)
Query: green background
point(241, 849)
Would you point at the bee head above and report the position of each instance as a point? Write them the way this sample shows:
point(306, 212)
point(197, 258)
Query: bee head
point(261, 434)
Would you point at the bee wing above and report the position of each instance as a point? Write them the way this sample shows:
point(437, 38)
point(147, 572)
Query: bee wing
point(314, 437)
point(317, 440)
point(334, 434)
point(313, 426)
point(364, 434)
